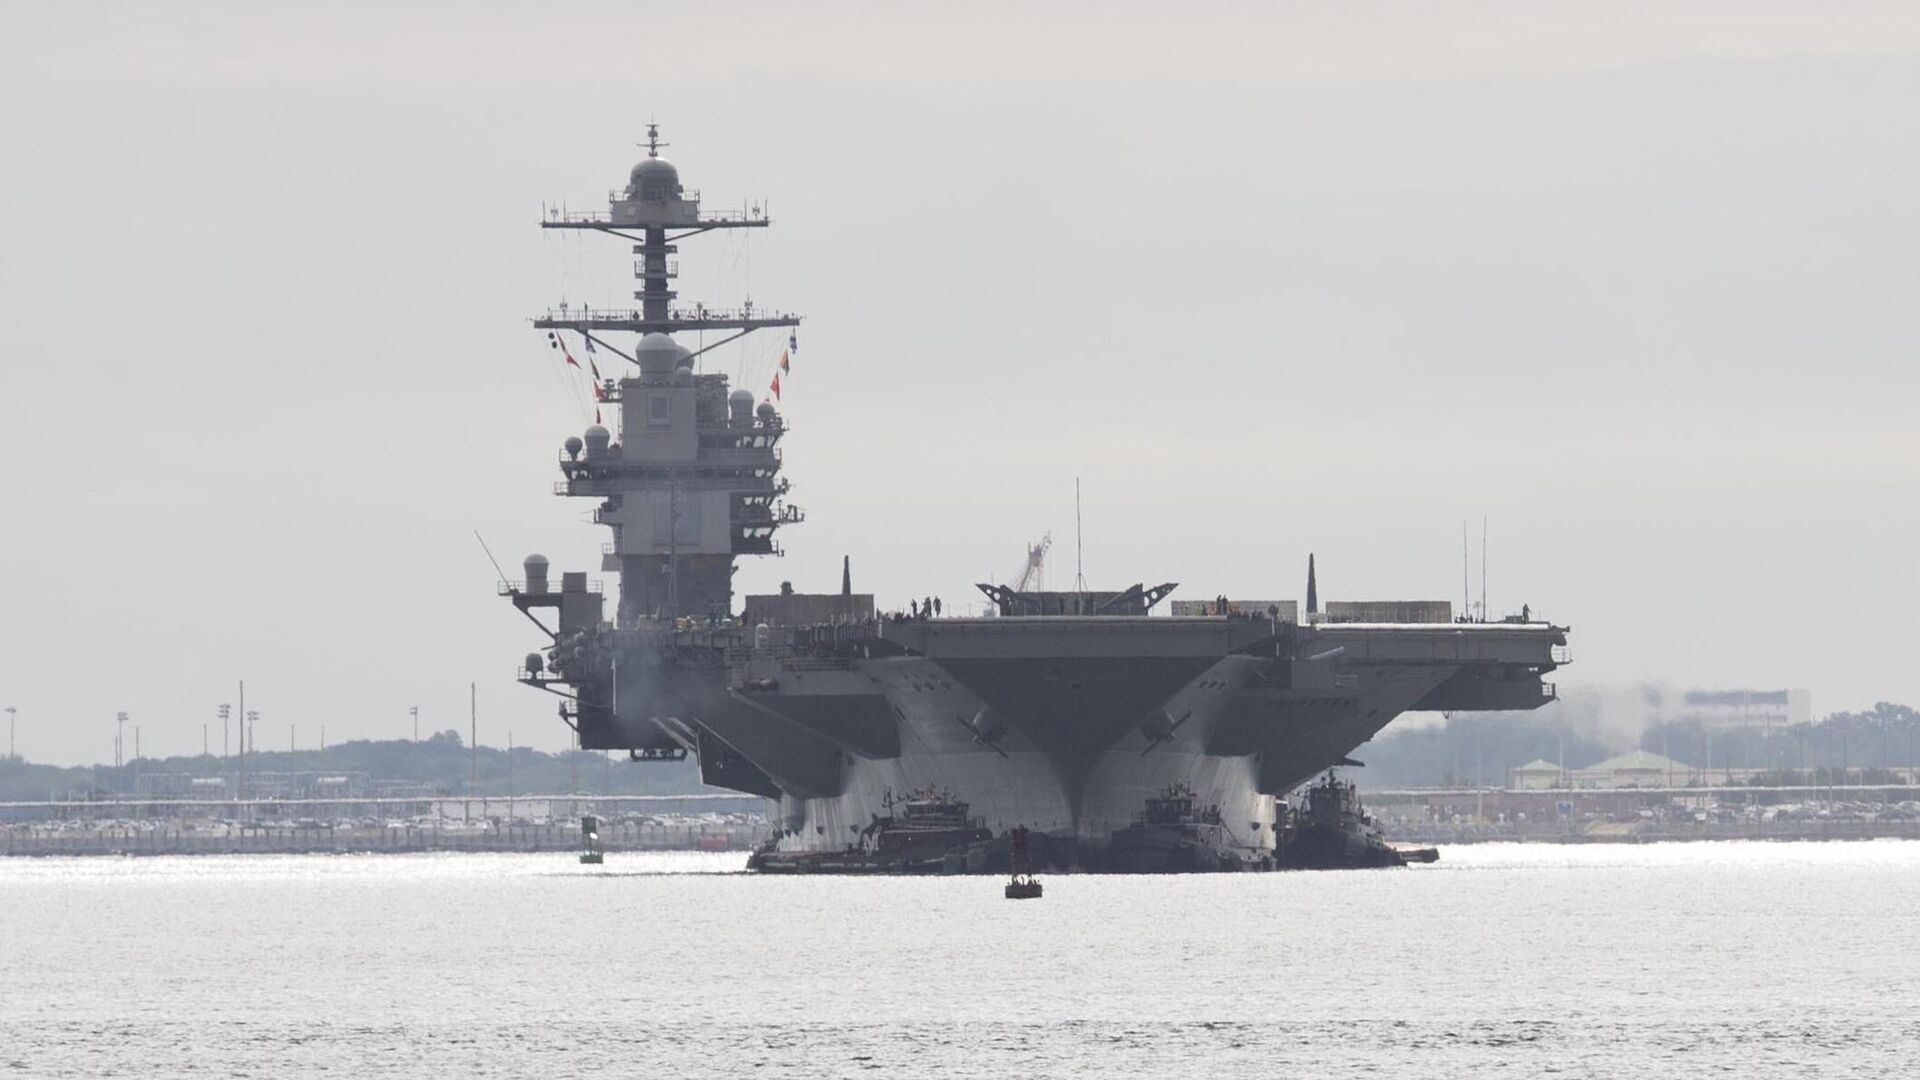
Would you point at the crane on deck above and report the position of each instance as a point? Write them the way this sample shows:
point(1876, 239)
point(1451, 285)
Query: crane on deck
point(1033, 575)
point(1033, 572)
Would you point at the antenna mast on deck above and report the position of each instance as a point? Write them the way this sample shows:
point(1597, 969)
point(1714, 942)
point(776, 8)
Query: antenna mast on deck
point(1079, 553)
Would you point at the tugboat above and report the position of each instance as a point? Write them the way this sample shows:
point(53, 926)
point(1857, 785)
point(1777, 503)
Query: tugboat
point(1332, 831)
point(929, 825)
point(923, 832)
point(1174, 835)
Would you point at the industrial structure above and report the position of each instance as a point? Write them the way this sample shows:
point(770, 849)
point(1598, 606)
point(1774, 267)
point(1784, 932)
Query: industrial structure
point(920, 743)
point(1749, 710)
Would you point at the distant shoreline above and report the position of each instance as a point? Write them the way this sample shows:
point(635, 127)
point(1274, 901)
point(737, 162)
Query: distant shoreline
point(628, 839)
point(323, 840)
point(1664, 834)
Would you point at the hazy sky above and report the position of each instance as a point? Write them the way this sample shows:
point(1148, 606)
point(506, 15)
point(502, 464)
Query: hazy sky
point(1635, 281)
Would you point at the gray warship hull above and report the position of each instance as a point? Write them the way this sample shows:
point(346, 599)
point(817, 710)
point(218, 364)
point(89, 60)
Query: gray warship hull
point(1066, 726)
point(1090, 718)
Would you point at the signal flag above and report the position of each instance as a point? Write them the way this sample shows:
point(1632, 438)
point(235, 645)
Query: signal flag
point(555, 340)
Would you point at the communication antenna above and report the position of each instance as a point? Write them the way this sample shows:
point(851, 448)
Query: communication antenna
point(490, 558)
point(1079, 554)
point(1483, 568)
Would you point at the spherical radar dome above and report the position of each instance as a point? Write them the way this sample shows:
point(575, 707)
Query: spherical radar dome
point(740, 406)
point(654, 178)
point(658, 354)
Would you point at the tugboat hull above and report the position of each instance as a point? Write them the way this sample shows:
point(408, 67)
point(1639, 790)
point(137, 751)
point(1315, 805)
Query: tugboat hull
point(1331, 831)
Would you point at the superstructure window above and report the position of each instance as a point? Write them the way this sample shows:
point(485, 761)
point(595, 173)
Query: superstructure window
point(659, 410)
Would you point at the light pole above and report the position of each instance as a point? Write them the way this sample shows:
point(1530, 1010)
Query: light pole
point(226, 712)
point(240, 780)
point(248, 718)
point(119, 739)
point(415, 710)
point(10, 712)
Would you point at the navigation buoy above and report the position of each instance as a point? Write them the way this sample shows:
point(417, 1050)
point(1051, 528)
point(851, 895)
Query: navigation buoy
point(591, 853)
point(1022, 886)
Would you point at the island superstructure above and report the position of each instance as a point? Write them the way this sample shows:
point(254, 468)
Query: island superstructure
point(915, 743)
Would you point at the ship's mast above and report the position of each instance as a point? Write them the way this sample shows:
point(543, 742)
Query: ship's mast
point(655, 213)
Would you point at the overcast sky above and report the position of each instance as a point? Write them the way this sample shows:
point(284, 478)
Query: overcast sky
point(1636, 282)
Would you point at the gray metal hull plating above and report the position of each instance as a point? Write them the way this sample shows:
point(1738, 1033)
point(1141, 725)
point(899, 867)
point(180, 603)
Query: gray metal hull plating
point(1068, 726)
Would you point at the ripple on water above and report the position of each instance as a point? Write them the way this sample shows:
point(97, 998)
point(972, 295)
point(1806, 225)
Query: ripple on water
point(1674, 960)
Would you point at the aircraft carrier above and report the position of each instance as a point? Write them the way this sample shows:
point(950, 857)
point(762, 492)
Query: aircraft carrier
point(1119, 737)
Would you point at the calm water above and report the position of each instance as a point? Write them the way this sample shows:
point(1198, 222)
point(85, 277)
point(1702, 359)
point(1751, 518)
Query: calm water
point(1681, 960)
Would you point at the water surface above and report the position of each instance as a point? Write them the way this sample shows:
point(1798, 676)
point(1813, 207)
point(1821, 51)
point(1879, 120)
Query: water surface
point(1675, 960)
